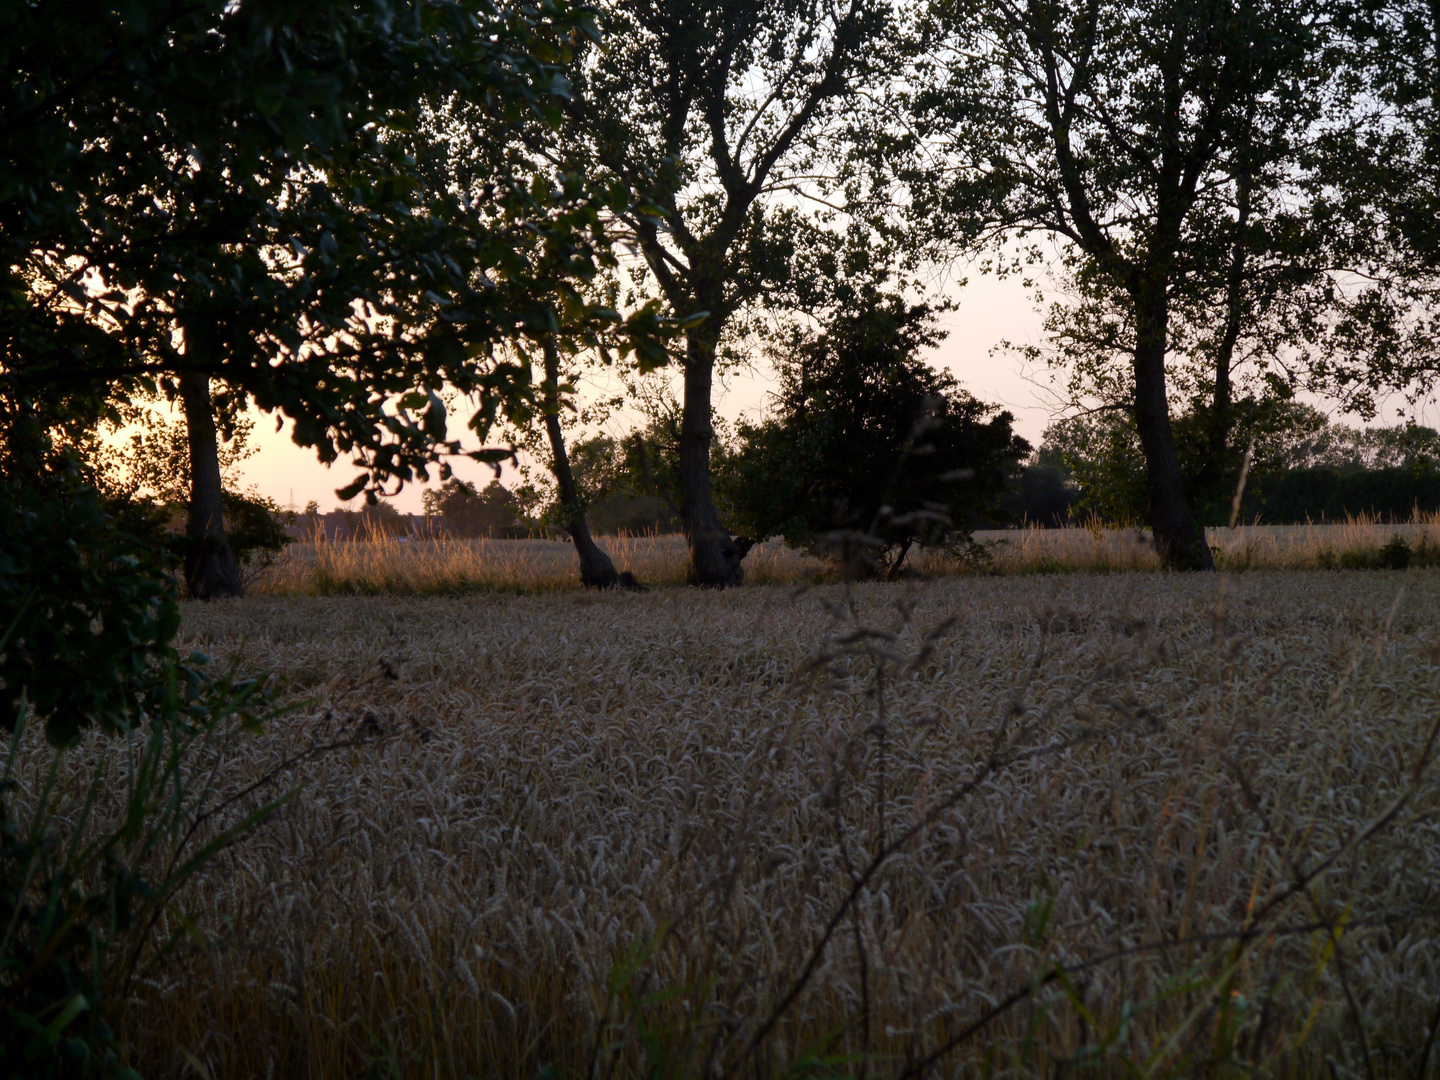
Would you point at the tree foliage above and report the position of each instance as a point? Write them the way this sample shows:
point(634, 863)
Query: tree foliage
point(250, 192)
point(647, 465)
point(145, 480)
point(1302, 496)
point(613, 485)
point(735, 118)
point(465, 510)
point(256, 177)
point(868, 445)
point(1302, 467)
point(86, 615)
point(1041, 496)
point(1203, 167)
point(1102, 454)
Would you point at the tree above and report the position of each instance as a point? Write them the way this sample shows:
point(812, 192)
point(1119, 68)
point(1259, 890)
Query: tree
point(241, 191)
point(375, 521)
point(148, 474)
point(869, 448)
point(470, 511)
point(1186, 155)
point(1301, 466)
point(1102, 453)
point(731, 116)
point(241, 198)
point(1246, 331)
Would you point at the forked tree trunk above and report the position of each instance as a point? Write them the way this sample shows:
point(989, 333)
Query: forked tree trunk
point(211, 572)
point(597, 571)
point(1179, 536)
point(715, 556)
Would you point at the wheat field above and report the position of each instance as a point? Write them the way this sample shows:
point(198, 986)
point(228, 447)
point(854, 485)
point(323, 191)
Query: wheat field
point(1118, 825)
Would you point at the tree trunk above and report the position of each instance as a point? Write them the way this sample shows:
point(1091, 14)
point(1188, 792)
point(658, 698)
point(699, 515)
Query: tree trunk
point(715, 556)
point(596, 569)
point(210, 569)
point(1213, 471)
point(1225, 351)
point(1179, 537)
point(899, 559)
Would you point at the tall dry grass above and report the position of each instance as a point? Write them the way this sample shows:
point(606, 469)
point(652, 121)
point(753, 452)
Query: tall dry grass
point(431, 567)
point(1356, 543)
point(446, 565)
point(1152, 825)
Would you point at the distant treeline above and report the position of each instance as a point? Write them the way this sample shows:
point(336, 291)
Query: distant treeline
point(1327, 494)
point(1082, 470)
point(1041, 496)
point(1320, 471)
point(459, 508)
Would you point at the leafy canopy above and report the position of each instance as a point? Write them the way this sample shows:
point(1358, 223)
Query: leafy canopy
point(259, 178)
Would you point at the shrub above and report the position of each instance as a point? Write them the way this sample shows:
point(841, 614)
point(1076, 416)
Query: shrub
point(86, 612)
point(85, 879)
point(88, 615)
point(869, 442)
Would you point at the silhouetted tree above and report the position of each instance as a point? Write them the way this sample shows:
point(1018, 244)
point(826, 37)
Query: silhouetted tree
point(1209, 171)
point(468, 511)
point(734, 116)
point(869, 449)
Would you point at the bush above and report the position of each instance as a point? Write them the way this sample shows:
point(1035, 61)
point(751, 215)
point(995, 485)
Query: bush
point(869, 442)
point(88, 615)
point(85, 879)
point(255, 527)
point(1394, 554)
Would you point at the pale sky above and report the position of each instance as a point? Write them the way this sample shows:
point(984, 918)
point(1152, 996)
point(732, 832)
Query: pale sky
point(989, 311)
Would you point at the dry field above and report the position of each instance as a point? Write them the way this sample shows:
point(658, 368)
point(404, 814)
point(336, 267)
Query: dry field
point(437, 567)
point(1118, 825)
